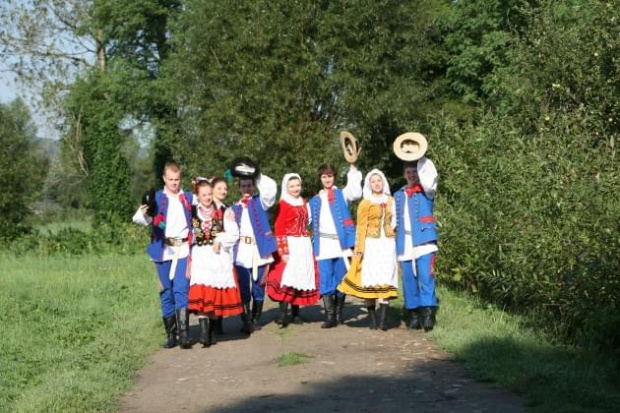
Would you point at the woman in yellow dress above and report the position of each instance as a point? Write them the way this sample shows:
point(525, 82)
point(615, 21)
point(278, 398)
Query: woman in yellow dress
point(373, 274)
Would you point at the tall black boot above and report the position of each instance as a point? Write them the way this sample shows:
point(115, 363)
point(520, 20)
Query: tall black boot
point(257, 311)
point(206, 331)
point(212, 330)
point(183, 326)
point(340, 308)
point(329, 303)
point(296, 319)
point(219, 327)
point(414, 319)
point(383, 315)
point(170, 324)
point(246, 318)
point(428, 318)
point(283, 317)
point(372, 317)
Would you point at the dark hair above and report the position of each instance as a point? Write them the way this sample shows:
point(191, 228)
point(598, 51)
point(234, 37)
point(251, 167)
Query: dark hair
point(410, 164)
point(326, 169)
point(217, 179)
point(198, 183)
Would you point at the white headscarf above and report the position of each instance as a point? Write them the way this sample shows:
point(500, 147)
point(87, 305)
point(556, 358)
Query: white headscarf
point(428, 176)
point(367, 191)
point(285, 196)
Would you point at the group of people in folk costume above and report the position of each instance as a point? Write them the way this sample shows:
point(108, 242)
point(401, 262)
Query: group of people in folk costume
point(217, 261)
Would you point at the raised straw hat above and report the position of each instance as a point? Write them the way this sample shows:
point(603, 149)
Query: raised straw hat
point(350, 147)
point(410, 146)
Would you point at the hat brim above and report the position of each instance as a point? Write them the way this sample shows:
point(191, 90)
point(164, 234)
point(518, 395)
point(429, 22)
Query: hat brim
point(410, 146)
point(244, 168)
point(349, 145)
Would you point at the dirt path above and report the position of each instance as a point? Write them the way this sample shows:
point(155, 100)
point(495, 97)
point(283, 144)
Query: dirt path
point(349, 369)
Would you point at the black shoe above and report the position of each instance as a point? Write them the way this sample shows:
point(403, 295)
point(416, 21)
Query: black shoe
point(183, 326)
point(257, 311)
point(428, 318)
point(340, 308)
point(246, 319)
point(206, 331)
point(383, 315)
point(372, 317)
point(283, 317)
point(414, 320)
point(170, 324)
point(296, 319)
point(329, 303)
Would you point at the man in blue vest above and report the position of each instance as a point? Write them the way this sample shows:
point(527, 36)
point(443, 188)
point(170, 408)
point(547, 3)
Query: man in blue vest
point(256, 243)
point(334, 236)
point(169, 250)
point(416, 241)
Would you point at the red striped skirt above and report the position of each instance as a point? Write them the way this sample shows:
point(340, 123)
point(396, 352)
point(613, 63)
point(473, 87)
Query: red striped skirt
point(221, 301)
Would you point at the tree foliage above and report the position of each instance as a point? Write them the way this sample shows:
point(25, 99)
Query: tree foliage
point(25, 167)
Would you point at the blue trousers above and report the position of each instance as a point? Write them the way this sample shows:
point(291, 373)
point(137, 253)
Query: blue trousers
point(420, 291)
point(175, 292)
point(245, 279)
point(331, 273)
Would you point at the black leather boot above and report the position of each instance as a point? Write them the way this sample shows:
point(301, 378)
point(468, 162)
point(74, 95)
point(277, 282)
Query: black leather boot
point(246, 319)
point(212, 330)
point(329, 303)
point(428, 318)
point(170, 324)
point(383, 316)
point(183, 326)
point(340, 308)
point(257, 311)
point(296, 319)
point(414, 319)
point(372, 317)
point(206, 331)
point(219, 328)
point(283, 317)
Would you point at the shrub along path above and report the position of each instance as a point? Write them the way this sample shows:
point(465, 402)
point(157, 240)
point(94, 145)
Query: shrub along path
point(304, 368)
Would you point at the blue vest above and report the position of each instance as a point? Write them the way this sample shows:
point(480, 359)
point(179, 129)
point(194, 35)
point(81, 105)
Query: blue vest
point(345, 227)
point(265, 241)
point(155, 250)
point(423, 223)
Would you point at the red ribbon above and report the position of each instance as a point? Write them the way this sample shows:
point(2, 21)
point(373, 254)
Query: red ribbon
point(412, 189)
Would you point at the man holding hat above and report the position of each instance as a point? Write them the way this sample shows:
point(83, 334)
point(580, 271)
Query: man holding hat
point(334, 236)
point(256, 241)
point(416, 235)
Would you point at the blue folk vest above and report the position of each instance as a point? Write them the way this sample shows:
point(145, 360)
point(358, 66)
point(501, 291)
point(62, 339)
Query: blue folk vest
point(265, 241)
point(345, 227)
point(155, 250)
point(423, 223)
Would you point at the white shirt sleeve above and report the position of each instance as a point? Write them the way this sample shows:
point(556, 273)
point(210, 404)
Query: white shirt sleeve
point(140, 219)
point(309, 212)
point(353, 190)
point(268, 189)
point(230, 236)
point(428, 176)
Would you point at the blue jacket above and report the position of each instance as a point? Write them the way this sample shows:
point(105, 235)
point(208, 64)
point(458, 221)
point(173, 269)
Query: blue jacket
point(423, 223)
point(265, 241)
point(156, 247)
point(345, 227)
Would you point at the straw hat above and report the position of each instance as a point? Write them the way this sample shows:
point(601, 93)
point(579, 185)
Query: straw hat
point(350, 147)
point(410, 146)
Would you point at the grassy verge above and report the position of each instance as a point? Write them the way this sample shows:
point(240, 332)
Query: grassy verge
point(495, 346)
point(74, 330)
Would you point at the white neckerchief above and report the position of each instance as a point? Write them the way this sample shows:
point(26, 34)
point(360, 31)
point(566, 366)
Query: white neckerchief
point(285, 196)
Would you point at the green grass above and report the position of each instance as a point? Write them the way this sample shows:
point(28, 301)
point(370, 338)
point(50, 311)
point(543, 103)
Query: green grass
point(74, 330)
point(495, 346)
point(292, 359)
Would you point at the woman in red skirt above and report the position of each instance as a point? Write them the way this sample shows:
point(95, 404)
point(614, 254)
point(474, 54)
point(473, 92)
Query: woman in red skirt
point(292, 278)
point(213, 290)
